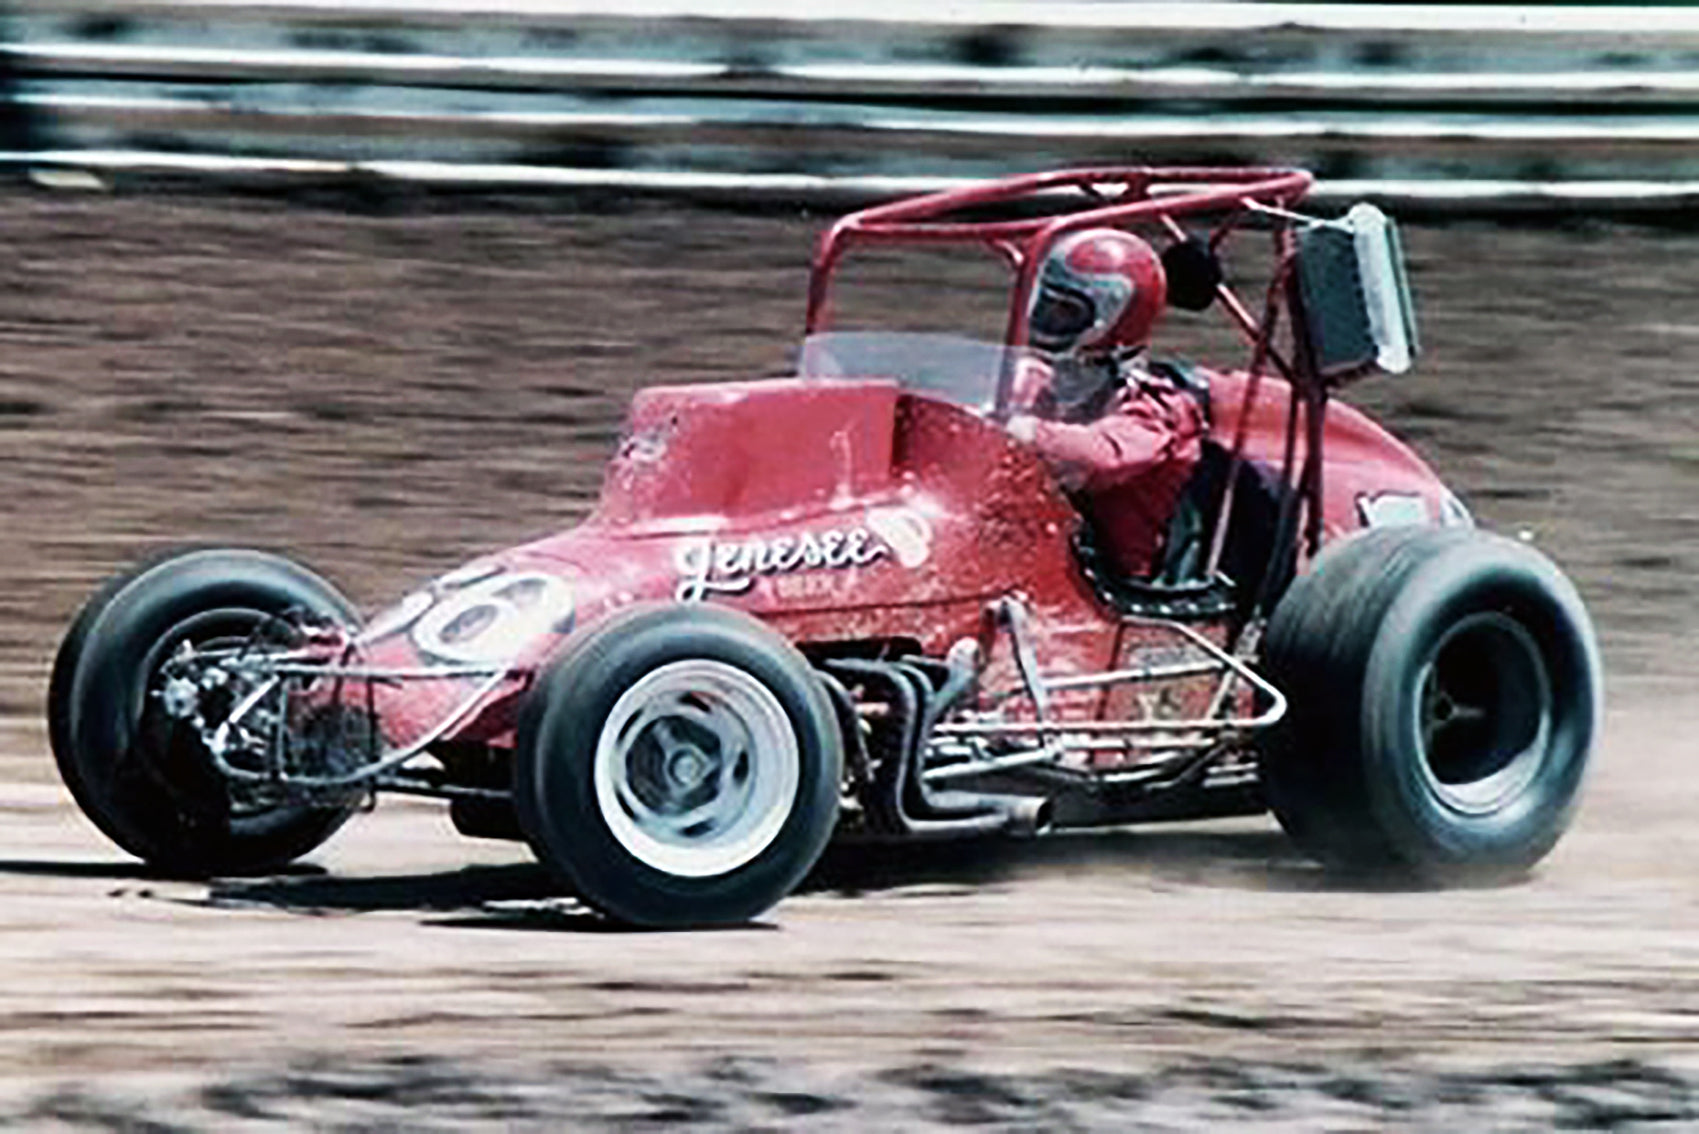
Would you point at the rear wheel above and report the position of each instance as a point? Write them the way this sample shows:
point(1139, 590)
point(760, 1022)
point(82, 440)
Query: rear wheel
point(678, 766)
point(141, 775)
point(1444, 693)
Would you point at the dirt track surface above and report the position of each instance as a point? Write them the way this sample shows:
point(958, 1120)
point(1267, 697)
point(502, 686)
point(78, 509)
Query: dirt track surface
point(385, 395)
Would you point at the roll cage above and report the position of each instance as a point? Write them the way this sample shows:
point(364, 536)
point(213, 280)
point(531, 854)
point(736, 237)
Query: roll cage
point(1067, 201)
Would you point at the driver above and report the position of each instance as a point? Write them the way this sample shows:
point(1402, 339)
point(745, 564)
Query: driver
point(1122, 437)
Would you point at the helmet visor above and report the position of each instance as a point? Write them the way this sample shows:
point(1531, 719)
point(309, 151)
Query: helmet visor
point(1058, 318)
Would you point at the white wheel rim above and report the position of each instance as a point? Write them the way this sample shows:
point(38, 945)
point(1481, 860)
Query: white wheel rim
point(696, 768)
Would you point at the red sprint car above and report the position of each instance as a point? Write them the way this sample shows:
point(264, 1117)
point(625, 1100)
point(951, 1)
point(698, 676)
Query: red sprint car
point(849, 601)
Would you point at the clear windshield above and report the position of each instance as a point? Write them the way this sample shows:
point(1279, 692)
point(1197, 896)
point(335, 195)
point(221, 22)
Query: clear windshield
point(948, 367)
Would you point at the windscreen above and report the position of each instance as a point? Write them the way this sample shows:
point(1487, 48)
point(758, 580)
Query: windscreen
point(951, 368)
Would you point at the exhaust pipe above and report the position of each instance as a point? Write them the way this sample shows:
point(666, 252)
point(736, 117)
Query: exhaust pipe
point(1030, 816)
point(898, 800)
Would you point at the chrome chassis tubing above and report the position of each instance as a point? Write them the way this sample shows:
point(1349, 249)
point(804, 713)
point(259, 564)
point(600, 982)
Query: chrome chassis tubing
point(273, 674)
point(1183, 745)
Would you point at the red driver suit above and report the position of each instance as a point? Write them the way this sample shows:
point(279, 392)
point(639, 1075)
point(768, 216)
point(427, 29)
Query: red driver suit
point(1130, 465)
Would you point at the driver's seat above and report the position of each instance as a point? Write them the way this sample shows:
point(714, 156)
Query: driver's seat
point(1178, 588)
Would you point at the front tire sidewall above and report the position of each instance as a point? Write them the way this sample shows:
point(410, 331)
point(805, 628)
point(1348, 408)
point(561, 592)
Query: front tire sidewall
point(556, 789)
point(1423, 829)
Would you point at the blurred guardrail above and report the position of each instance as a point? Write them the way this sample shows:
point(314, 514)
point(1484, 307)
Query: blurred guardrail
point(1444, 102)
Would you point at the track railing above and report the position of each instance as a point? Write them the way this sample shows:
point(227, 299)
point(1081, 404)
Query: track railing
point(1443, 102)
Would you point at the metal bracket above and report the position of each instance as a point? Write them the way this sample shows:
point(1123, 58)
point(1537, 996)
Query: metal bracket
point(1012, 615)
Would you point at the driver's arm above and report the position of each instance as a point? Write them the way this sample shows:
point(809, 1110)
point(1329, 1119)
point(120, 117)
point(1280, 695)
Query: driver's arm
point(1138, 435)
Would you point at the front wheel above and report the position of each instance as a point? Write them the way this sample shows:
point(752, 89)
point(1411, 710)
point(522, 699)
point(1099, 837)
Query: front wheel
point(679, 765)
point(142, 776)
point(1444, 690)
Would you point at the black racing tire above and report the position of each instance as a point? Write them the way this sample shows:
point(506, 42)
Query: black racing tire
point(65, 663)
point(1444, 692)
point(143, 781)
point(750, 742)
point(70, 654)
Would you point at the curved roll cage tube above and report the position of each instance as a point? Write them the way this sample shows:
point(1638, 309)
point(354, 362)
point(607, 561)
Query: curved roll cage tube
point(1119, 197)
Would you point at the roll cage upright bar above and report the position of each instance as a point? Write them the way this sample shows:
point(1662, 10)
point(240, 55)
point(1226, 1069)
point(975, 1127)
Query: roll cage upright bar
point(1121, 196)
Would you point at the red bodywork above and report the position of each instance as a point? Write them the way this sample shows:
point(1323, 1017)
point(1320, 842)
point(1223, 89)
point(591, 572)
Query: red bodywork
point(852, 511)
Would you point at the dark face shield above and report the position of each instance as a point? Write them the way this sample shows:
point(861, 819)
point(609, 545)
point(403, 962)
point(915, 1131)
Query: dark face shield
point(1058, 318)
point(1080, 389)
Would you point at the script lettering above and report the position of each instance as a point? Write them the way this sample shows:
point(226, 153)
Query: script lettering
point(860, 550)
point(778, 555)
point(831, 549)
point(707, 566)
point(698, 561)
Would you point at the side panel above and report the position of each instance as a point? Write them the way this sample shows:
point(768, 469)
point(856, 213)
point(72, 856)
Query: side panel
point(741, 450)
point(995, 523)
point(1371, 478)
point(961, 515)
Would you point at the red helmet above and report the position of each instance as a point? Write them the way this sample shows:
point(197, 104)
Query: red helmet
point(1098, 290)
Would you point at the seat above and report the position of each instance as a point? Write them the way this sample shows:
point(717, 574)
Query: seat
point(1180, 588)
